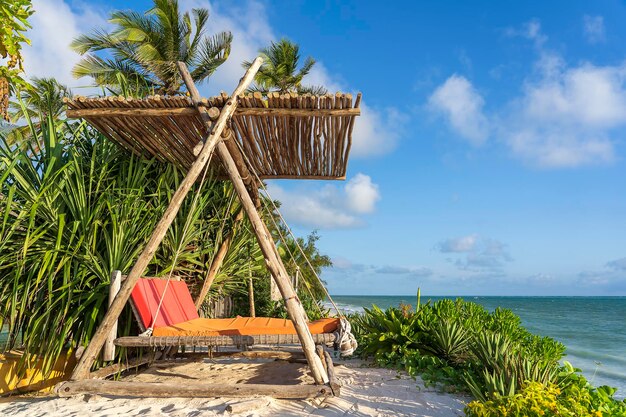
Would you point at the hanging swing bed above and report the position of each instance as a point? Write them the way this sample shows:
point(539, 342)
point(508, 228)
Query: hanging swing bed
point(279, 136)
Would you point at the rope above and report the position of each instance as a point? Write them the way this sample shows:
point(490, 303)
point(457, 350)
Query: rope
point(291, 255)
point(253, 171)
point(149, 330)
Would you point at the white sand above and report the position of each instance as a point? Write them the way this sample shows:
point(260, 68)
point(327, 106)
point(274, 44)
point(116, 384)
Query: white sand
point(365, 392)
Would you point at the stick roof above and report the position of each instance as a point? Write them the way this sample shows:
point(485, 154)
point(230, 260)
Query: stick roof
point(282, 135)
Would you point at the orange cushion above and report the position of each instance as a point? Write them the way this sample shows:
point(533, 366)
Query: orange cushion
point(246, 326)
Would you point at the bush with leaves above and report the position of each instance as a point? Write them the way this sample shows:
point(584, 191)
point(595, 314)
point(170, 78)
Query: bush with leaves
point(459, 345)
point(536, 399)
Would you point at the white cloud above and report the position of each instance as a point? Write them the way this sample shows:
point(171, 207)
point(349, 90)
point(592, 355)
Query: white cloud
point(54, 27)
point(478, 253)
point(348, 267)
point(617, 264)
point(564, 116)
point(593, 29)
point(530, 30)
point(331, 207)
point(459, 244)
point(362, 194)
point(462, 105)
point(593, 96)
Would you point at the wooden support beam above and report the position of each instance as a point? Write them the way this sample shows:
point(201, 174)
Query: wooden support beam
point(84, 365)
point(233, 340)
point(251, 296)
point(248, 406)
point(131, 112)
point(259, 111)
point(116, 368)
point(268, 247)
point(333, 381)
point(190, 111)
point(247, 354)
point(276, 268)
point(108, 353)
point(189, 389)
point(217, 261)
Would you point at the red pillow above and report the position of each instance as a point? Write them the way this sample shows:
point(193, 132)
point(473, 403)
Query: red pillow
point(177, 306)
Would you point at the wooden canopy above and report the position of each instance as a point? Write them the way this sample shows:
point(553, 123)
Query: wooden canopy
point(282, 135)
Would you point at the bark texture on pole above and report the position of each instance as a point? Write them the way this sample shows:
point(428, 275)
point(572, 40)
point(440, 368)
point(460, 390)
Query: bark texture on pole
point(217, 261)
point(276, 268)
point(108, 353)
point(268, 247)
point(84, 365)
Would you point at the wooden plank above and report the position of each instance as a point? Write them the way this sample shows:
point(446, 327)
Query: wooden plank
point(83, 366)
point(130, 112)
point(302, 177)
point(108, 353)
point(233, 340)
point(116, 368)
point(333, 381)
point(246, 407)
point(188, 389)
point(190, 111)
point(247, 354)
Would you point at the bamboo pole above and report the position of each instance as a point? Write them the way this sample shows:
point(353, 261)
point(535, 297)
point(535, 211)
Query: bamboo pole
point(108, 353)
point(189, 389)
point(251, 295)
point(217, 261)
point(83, 366)
point(268, 247)
point(276, 268)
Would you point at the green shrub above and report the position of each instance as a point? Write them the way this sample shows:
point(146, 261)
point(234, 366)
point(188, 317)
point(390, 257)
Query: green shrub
point(389, 335)
point(537, 399)
point(459, 345)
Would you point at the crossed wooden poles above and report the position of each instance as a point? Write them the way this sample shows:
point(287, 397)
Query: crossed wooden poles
point(273, 261)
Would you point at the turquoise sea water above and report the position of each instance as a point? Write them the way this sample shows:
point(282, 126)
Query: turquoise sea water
point(592, 328)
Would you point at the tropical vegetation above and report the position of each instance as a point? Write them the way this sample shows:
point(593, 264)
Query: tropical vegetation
point(460, 346)
point(14, 17)
point(143, 48)
point(279, 71)
point(74, 206)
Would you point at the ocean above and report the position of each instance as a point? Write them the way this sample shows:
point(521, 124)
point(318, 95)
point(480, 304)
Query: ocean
point(592, 328)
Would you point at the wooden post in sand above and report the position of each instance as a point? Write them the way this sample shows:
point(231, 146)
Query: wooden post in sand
point(108, 352)
point(270, 252)
point(84, 365)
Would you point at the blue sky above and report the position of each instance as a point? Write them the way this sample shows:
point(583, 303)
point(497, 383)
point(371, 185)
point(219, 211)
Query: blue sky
point(489, 159)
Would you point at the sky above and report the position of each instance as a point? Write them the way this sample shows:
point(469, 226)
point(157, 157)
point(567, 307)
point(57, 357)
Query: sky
point(489, 158)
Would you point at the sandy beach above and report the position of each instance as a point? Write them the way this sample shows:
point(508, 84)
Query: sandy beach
point(366, 391)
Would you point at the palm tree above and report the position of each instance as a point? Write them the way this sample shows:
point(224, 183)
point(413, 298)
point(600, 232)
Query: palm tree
point(144, 49)
point(280, 72)
point(42, 99)
point(38, 102)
